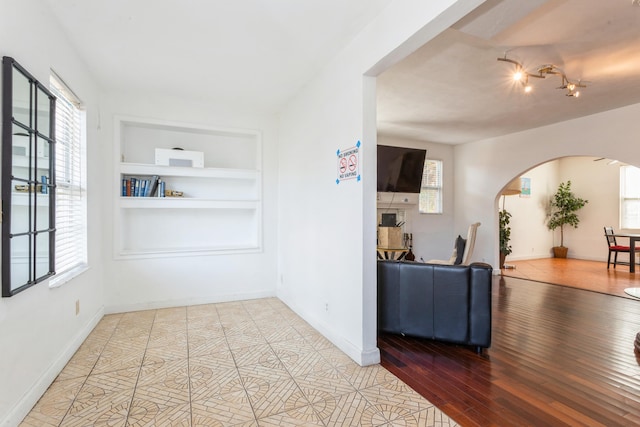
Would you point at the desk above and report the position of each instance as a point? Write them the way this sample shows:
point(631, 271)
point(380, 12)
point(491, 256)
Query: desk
point(633, 238)
point(392, 253)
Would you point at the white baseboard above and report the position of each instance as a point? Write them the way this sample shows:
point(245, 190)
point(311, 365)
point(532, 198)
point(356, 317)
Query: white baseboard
point(371, 357)
point(360, 356)
point(154, 305)
point(527, 257)
point(31, 397)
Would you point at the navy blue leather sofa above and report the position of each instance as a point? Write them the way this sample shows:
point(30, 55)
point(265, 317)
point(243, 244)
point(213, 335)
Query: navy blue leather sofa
point(442, 302)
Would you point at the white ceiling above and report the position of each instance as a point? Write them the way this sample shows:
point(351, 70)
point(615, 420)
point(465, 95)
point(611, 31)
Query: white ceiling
point(255, 54)
point(453, 90)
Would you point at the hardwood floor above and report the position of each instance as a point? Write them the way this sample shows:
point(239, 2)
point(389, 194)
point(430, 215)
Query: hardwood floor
point(589, 275)
point(559, 356)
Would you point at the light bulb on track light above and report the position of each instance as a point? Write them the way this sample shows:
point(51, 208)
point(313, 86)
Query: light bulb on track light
point(521, 75)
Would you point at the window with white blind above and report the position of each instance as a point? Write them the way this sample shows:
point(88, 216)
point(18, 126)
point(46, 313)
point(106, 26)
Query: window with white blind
point(629, 197)
point(430, 200)
point(71, 212)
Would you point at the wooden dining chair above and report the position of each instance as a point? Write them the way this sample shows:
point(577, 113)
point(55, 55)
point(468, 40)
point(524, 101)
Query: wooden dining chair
point(614, 247)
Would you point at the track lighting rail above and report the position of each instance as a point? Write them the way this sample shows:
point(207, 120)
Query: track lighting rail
point(522, 75)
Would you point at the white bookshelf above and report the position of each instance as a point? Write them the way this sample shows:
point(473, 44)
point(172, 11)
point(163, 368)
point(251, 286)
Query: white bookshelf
point(23, 199)
point(220, 211)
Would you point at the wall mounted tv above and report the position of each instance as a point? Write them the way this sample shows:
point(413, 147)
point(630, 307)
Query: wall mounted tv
point(400, 169)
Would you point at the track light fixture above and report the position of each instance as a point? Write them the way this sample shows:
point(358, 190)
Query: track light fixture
point(573, 89)
point(521, 75)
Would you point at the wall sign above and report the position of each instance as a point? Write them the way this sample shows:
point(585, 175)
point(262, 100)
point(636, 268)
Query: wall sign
point(348, 163)
point(525, 187)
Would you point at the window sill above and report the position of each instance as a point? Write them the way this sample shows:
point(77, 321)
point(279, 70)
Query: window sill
point(63, 278)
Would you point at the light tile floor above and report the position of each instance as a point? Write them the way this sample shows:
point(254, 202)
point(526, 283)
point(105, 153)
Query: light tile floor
point(249, 363)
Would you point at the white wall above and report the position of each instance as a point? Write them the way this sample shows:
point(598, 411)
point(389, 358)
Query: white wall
point(484, 167)
point(530, 236)
point(135, 284)
point(599, 183)
point(596, 181)
point(433, 234)
point(325, 232)
point(327, 239)
point(39, 330)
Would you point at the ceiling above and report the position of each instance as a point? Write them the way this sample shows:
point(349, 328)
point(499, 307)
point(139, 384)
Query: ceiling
point(453, 90)
point(248, 54)
point(256, 54)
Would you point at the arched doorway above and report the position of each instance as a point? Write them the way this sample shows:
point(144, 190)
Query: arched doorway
point(595, 179)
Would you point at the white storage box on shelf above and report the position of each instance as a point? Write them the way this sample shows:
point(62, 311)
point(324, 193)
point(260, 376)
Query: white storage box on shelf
point(174, 157)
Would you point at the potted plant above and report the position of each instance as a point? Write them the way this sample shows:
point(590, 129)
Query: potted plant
point(505, 235)
point(563, 207)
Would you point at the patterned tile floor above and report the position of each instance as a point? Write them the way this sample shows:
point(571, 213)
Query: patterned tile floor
point(249, 363)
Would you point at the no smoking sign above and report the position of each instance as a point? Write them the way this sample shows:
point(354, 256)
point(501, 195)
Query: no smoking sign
point(349, 163)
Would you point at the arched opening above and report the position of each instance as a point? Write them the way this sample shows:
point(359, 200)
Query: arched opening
point(525, 200)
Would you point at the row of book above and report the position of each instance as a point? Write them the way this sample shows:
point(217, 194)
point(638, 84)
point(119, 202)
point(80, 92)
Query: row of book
point(138, 187)
point(31, 188)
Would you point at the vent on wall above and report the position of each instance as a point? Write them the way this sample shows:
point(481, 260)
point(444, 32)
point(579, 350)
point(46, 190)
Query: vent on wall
point(397, 199)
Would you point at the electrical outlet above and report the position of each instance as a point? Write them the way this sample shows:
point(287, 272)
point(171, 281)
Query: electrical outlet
point(326, 307)
point(77, 307)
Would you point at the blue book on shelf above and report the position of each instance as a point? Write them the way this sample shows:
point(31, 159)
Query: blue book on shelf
point(132, 187)
point(136, 192)
point(143, 188)
point(125, 186)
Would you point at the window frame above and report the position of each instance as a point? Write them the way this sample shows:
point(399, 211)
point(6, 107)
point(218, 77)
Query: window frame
point(34, 184)
point(422, 202)
point(73, 179)
point(625, 198)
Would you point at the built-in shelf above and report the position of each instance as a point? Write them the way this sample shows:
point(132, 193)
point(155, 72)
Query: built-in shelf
point(184, 203)
point(22, 199)
point(23, 162)
point(147, 169)
point(186, 251)
point(221, 208)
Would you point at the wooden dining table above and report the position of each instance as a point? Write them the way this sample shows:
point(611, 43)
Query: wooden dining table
point(633, 239)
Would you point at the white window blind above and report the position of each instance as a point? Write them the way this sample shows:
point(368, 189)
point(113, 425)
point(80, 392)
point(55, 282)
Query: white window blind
point(430, 200)
point(71, 218)
point(629, 197)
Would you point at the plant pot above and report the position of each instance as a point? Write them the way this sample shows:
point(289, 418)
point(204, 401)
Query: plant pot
point(502, 258)
point(560, 251)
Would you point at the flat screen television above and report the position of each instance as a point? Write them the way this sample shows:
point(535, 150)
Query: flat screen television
point(400, 169)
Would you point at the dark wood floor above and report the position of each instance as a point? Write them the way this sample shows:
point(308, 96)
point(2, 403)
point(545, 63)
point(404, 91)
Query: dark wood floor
point(559, 356)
